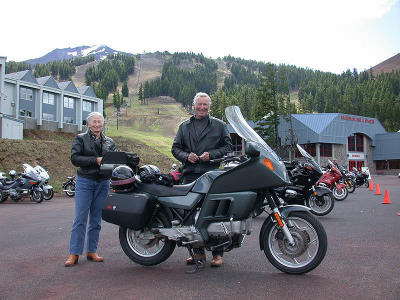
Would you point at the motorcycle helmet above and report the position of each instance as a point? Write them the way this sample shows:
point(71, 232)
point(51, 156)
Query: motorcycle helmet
point(148, 170)
point(12, 173)
point(122, 179)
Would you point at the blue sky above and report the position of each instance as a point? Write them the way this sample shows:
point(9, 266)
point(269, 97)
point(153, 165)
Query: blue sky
point(326, 35)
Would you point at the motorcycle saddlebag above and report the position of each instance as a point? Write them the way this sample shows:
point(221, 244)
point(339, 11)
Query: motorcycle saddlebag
point(129, 210)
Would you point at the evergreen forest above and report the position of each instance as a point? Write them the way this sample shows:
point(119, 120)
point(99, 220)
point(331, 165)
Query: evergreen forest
point(264, 91)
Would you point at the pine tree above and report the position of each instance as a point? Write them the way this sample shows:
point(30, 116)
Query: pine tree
point(140, 94)
point(125, 91)
point(266, 111)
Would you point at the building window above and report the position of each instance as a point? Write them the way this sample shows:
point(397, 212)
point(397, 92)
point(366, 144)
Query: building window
point(25, 113)
point(48, 117)
point(69, 102)
point(381, 164)
point(355, 143)
point(48, 98)
point(86, 106)
point(22, 93)
point(68, 120)
point(325, 150)
point(25, 94)
point(394, 164)
point(310, 148)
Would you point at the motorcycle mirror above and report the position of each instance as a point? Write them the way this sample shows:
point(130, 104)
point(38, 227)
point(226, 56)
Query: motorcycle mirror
point(252, 150)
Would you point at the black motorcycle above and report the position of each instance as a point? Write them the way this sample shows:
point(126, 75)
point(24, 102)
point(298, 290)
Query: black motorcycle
point(20, 185)
point(69, 186)
point(302, 189)
point(215, 211)
point(360, 178)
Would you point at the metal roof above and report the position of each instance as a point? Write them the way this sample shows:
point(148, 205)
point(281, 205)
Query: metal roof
point(68, 86)
point(333, 128)
point(87, 90)
point(26, 75)
point(387, 146)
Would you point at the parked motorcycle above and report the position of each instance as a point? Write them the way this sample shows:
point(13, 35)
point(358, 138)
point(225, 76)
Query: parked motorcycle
point(48, 191)
point(69, 186)
point(347, 179)
point(22, 185)
point(215, 211)
point(360, 178)
point(331, 179)
point(303, 190)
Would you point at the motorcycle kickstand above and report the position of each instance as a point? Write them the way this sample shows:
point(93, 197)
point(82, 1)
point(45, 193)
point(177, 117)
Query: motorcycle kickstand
point(198, 264)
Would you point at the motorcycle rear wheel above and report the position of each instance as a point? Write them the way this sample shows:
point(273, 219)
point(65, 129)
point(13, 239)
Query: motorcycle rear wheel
point(49, 195)
point(351, 185)
point(144, 251)
point(306, 254)
point(320, 205)
point(339, 195)
point(70, 190)
point(37, 196)
point(3, 197)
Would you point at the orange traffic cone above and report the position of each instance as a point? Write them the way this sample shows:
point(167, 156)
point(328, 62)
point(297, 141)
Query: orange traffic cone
point(386, 199)
point(371, 185)
point(378, 190)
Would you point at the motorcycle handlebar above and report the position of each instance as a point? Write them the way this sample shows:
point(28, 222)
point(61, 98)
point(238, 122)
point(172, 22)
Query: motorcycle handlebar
point(228, 159)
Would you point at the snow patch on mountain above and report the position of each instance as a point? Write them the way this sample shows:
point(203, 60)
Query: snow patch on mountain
point(100, 52)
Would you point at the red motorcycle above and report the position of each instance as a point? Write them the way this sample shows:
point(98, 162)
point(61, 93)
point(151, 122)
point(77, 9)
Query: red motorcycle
point(330, 179)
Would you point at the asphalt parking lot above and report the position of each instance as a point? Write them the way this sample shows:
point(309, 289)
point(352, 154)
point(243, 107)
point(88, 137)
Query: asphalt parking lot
point(362, 262)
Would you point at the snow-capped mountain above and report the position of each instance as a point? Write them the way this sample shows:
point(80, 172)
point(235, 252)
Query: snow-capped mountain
point(99, 52)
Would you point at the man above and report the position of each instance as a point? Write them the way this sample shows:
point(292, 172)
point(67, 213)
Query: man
point(91, 188)
point(198, 140)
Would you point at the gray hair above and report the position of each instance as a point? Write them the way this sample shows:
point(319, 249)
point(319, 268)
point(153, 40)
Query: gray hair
point(92, 114)
point(201, 95)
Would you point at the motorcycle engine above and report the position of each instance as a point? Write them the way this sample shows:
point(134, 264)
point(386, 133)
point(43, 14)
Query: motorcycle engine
point(290, 193)
point(219, 229)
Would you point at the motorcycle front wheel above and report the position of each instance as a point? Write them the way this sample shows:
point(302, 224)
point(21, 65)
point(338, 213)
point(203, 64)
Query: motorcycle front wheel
point(308, 251)
point(49, 195)
point(141, 248)
point(70, 190)
point(366, 184)
point(320, 205)
point(37, 196)
point(339, 195)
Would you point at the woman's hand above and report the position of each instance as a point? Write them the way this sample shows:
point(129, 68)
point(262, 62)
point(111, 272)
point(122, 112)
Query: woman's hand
point(99, 160)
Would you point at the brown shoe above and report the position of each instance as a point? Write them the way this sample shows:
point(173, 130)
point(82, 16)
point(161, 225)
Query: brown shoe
point(216, 261)
point(72, 260)
point(92, 256)
point(190, 260)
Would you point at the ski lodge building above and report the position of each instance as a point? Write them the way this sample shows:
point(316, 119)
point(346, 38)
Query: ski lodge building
point(354, 141)
point(42, 103)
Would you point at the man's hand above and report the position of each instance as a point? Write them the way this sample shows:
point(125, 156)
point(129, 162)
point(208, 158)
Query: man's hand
point(205, 156)
point(99, 160)
point(193, 158)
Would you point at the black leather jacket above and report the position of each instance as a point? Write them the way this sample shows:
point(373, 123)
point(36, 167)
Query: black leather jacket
point(84, 155)
point(215, 139)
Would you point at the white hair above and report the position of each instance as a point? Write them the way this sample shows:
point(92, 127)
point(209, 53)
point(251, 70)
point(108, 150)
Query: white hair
point(201, 95)
point(92, 114)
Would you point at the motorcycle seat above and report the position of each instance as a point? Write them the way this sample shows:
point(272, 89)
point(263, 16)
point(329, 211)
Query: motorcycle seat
point(165, 191)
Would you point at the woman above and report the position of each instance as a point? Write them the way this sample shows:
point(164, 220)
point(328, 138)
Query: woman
point(91, 188)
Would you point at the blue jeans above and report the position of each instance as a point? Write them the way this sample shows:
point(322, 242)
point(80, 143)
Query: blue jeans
point(89, 200)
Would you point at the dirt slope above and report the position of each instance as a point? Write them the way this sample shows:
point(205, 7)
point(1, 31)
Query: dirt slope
point(52, 151)
point(388, 65)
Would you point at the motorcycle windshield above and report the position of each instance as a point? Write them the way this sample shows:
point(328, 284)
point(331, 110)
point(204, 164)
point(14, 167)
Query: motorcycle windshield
point(30, 172)
point(307, 156)
point(41, 172)
point(243, 129)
